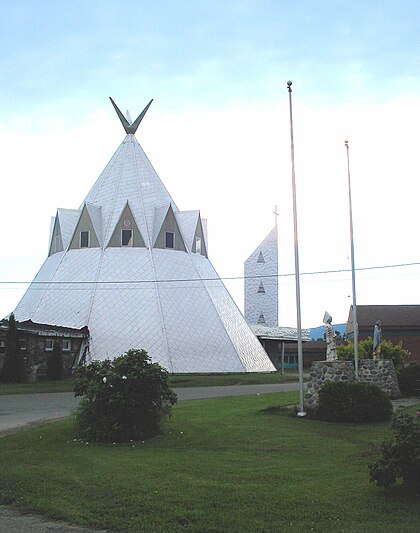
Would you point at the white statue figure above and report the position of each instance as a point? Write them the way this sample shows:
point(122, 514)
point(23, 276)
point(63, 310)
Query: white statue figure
point(377, 338)
point(330, 338)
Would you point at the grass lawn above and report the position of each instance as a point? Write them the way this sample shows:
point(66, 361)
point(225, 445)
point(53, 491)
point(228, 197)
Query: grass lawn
point(222, 466)
point(177, 380)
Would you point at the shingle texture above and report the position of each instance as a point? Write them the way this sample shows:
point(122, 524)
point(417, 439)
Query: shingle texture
point(261, 283)
point(171, 303)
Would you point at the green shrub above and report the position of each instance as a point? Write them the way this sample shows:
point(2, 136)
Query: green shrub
point(123, 399)
point(400, 457)
point(395, 352)
point(341, 401)
point(55, 363)
point(409, 379)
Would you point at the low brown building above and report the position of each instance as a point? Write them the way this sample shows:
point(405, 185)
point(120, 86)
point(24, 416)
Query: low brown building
point(36, 341)
point(280, 343)
point(398, 323)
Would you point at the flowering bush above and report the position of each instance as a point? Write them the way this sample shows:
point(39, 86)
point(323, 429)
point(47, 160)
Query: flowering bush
point(123, 399)
point(400, 457)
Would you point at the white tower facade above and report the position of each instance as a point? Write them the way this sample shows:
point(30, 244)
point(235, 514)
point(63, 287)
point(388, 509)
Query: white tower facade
point(261, 283)
point(133, 268)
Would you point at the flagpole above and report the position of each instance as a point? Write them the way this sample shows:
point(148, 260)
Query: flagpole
point(301, 411)
point(353, 274)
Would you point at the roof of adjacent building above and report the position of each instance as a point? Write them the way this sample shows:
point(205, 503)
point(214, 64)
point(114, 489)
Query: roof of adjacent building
point(280, 333)
point(47, 330)
point(389, 315)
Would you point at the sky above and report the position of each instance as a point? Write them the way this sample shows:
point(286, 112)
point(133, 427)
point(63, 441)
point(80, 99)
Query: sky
point(218, 132)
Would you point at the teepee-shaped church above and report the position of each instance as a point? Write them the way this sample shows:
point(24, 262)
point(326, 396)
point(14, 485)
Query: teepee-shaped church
point(134, 269)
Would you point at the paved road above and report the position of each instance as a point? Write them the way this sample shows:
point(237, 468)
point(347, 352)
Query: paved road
point(13, 522)
point(23, 410)
point(19, 410)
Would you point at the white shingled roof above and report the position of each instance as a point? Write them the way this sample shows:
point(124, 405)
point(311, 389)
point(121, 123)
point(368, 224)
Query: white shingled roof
point(68, 219)
point(169, 302)
point(280, 333)
point(261, 283)
point(187, 221)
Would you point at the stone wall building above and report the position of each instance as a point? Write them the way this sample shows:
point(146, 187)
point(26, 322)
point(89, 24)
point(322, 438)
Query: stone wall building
point(36, 342)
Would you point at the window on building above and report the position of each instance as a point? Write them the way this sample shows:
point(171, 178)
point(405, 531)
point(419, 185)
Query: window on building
point(261, 258)
point(198, 245)
point(290, 361)
point(22, 344)
point(169, 239)
point(2, 346)
point(84, 239)
point(126, 237)
point(58, 243)
point(49, 345)
point(261, 319)
point(66, 345)
point(261, 288)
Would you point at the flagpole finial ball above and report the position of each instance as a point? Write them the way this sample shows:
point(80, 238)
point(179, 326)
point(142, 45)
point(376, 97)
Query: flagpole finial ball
point(289, 83)
point(346, 142)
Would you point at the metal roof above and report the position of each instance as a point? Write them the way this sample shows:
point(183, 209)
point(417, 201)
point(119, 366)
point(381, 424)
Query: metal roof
point(171, 303)
point(280, 333)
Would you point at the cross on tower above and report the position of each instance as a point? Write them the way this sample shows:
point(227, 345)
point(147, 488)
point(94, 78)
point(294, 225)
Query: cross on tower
point(275, 215)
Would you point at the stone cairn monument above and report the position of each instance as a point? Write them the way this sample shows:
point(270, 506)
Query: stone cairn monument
point(376, 371)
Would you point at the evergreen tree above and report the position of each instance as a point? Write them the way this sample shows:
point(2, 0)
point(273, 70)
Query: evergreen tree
point(55, 363)
point(13, 370)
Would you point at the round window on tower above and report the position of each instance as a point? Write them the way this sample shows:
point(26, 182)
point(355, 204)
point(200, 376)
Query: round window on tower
point(127, 223)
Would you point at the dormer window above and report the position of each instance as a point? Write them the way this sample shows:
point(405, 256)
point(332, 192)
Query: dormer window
point(58, 243)
point(169, 239)
point(84, 239)
point(126, 237)
point(198, 245)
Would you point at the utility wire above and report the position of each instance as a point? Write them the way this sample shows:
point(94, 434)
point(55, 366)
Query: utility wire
point(226, 278)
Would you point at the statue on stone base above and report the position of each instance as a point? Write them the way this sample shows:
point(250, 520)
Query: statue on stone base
point(331, 354)
point(377, 338)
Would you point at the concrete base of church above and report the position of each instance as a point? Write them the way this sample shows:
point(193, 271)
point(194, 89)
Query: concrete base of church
point(377, 372)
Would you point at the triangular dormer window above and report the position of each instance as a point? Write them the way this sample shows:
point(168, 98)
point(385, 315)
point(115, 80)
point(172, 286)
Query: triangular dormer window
point(126, 232)
point(261, 288)
point(261, 319)
point(169, 235)
point(56, 244)
point(84, 235)
point(261, 258)
point(199, 242)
